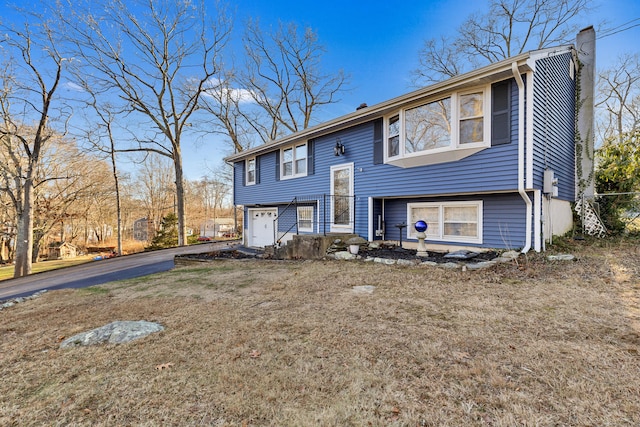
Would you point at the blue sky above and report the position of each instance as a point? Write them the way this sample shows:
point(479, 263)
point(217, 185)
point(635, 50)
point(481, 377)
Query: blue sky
point(377, 43)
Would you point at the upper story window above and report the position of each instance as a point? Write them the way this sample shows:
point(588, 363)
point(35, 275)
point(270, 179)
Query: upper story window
point(251, 171)
point(294, 161)
point(440, 130)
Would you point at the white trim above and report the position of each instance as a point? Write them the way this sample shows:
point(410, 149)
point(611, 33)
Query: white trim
point(342, 228)
point(306, 230)
point(441, 237)
point(521, 140)
point(370, 219)
point(246, 171)
point(537, 220)
point(294, 173)
point(529, 130)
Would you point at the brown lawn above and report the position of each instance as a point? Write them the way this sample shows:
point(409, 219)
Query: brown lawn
point(255, 343)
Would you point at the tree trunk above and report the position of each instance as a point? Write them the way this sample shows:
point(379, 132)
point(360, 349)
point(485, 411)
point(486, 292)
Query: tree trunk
point(24, 237)
point(182, 222)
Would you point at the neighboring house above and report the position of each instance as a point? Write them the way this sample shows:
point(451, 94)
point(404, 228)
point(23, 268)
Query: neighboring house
point(218, 227)
point(493, 158)
point(62, 250)
point(144, 229)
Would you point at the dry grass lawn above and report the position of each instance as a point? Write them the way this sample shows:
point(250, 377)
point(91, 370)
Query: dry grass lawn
point(273, 343)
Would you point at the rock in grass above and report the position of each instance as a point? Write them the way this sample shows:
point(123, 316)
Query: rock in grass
point(561, 257)
point(117, 332)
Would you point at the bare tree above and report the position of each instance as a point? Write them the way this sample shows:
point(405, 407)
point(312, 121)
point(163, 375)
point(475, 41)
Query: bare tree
point(102, 138)
point(157, 56)
point(508, 28)
point(278, 90)
point(156, 188)
point(30, 80)
point(68, 184)
point(619, 104)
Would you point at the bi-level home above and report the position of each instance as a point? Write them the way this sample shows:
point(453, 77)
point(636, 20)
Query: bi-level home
point(493, 158)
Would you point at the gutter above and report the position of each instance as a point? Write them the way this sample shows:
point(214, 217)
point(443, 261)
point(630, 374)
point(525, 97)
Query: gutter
point(521, 129)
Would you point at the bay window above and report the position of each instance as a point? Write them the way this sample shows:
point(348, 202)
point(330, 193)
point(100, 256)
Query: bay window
point(443, 129)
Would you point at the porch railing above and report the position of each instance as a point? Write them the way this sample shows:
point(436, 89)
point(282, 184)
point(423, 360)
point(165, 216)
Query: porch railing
point(328, 210)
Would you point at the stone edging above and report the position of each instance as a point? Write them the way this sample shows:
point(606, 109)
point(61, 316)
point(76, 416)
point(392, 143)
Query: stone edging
point(14, 301)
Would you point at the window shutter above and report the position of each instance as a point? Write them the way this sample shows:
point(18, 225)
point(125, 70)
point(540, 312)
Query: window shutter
point(278, 165)
point(501, 113)
point(378, 146)
point(257, 171)
point(243, 169)
point(310, 156)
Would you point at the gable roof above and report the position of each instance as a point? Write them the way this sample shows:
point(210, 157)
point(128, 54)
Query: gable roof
point(485, 75)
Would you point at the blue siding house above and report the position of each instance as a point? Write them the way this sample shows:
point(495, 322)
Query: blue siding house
point(487, 159)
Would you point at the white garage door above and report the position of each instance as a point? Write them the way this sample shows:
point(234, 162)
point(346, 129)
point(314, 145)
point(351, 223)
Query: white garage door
point(261, 226)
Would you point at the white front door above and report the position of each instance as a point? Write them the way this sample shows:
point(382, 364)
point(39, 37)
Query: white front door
point(261, 226)
point(342, 198)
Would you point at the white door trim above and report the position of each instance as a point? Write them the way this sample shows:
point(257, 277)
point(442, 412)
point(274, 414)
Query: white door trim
point(344, 228)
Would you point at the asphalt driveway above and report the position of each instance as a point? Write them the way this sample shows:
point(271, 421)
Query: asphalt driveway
point(103, 271)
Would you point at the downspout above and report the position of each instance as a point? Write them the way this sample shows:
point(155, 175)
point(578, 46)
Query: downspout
point(521, 165)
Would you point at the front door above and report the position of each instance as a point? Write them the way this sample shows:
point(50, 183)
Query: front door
point(342, 198)
point(261, 227)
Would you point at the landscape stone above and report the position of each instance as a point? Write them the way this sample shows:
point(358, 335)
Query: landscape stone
point(363, 289)
point(561, 257)
point(429, 263)
point(480, 265)
point(510, 255)
point(461, 254)
point(405, 262)
point(344, 255)
point(117, 332)
point(449, 265)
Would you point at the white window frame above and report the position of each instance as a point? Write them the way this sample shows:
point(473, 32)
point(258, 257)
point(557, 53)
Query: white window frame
point(294, 161)
point(342, 228)
point(309, 211)
point(247, 170)
point(455, 150)
point(441, 236)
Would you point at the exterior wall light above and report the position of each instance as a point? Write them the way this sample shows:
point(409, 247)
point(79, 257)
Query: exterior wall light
point(339, 148)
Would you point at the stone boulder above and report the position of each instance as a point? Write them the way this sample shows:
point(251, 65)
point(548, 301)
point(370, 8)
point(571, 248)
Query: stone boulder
point(117, 332)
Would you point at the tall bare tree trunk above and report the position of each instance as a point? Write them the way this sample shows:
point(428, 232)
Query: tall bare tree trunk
point(24, 237)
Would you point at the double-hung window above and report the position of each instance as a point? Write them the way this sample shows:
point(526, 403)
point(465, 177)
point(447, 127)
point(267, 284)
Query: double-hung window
point(294, 161)
point(439, 130)
point(448, 221)
point(251, 171)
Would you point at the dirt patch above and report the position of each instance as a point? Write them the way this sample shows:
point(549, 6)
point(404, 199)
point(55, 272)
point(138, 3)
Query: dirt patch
point(264, 342)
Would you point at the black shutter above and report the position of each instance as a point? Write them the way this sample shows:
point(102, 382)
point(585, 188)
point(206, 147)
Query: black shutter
point(243, 169)
point(310, 157)
point(378, 146)
point(257, 171)
point(501, 113)
point(278, 165)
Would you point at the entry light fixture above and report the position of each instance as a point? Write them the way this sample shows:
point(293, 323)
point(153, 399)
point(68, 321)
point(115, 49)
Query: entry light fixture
point(339, 148)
